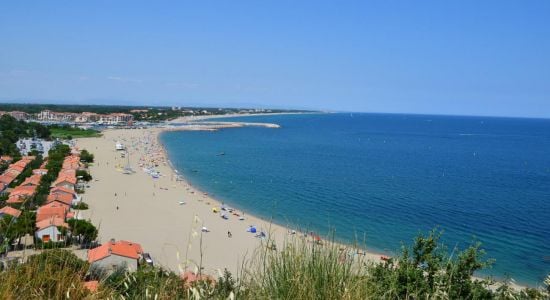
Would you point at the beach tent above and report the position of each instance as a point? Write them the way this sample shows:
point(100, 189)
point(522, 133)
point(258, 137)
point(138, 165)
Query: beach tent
point(252, 229)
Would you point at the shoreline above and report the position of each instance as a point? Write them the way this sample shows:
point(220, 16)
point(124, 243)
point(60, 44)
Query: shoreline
point(279, 233)
point(118, 202)
point(208, 117)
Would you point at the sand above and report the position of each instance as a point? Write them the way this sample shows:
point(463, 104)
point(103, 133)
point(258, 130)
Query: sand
point(149, 211)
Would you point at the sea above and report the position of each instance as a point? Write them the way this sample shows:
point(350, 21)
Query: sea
point(381, 179)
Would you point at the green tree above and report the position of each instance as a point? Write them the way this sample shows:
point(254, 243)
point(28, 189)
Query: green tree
point(86, 156)
point(84, 175)
point(84, 231)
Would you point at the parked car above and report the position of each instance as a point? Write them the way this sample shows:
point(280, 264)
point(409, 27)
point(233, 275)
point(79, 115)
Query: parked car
point(148, 259)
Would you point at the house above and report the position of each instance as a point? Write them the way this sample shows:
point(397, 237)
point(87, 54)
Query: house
point(21, 193)
point(19, 115)
point(191, 277)
point(50, 229)
point(33, 180)
point(67, 173)
point(68, 182)
point(6, 158)
point(52, 209)
point(65, 191)
point(7, 178)
point(115, 254)
point(92, 285)
point(71, 162)
point(9, 211)
point(64, 199)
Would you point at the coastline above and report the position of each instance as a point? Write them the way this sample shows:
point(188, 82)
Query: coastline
point(144, 210)
point(219, 247)
point(208, 117)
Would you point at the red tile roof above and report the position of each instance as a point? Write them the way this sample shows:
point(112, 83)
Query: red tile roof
point(190, 277)
point(92, 286)
point(15, 200)
point(121, 248)
point(23, 191)
point(6, 158)
point(53, 221)
point(10, 211)
point(51, 210)
point(63, 198)
point(61, 179)
point(32, 180)
point(62, 190)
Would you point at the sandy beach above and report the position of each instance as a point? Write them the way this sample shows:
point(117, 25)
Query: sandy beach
point(140, 208)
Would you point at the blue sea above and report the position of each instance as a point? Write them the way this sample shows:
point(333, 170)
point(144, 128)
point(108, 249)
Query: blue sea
point(383, 178)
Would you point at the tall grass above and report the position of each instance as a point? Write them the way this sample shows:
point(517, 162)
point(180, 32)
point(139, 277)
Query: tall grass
point(299, 269)
point(304, 269)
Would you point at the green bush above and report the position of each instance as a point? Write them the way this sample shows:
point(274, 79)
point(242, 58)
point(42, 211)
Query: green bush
point(81, 206)
point(86, 156)
point(84, 175)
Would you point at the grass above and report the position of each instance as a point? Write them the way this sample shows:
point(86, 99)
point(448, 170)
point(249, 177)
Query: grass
point(301, 269)
point(71, 132)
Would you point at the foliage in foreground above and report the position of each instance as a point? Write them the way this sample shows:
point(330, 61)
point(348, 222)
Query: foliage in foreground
point(302, 270)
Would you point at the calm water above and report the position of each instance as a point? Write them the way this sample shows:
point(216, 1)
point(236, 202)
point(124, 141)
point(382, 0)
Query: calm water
point(388, 177)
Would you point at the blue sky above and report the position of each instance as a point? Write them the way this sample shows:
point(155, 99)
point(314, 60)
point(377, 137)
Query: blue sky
point(444, 57)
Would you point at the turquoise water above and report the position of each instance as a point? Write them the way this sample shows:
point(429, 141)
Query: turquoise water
point(388, 177)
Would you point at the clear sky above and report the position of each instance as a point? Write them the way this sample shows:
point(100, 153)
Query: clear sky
point(447, 57)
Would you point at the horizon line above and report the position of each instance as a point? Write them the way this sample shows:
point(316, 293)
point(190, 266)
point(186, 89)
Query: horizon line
point(319, 110)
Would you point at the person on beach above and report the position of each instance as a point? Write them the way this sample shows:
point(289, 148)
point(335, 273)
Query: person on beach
point(229, 234)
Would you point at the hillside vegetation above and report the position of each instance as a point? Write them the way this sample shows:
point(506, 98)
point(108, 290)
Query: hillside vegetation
point(301, 270)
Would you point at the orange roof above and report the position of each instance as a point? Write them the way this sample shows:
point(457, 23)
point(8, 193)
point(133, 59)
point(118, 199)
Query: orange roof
point(121, 248)
point(51, 210)
point(190, 277)
point(61, 179)
point(6, 158)
point(62, 190)
point(23, 191)
point(32, 180)
point(63, 198)
point(6, 179)
point(52, 221)
point(16, 168)
point(15, 200)
point(10, 211)
point(71, 162)
point(92, 286)
point(67, 172)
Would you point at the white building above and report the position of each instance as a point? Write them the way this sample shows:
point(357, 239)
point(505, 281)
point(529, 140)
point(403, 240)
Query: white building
point(115, 254)
point(48, 230)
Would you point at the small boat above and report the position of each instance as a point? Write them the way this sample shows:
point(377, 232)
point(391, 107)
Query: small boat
point(220, 154)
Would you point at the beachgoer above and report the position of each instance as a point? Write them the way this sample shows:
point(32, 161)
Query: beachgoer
point(229, 234)
point(117, 207)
